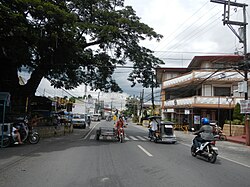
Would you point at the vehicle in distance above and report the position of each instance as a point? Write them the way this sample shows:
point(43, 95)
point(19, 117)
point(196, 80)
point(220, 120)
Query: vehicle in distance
point(79, 121)
point(96, 117)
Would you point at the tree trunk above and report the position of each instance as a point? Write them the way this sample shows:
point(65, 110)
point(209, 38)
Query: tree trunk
point(9, 82)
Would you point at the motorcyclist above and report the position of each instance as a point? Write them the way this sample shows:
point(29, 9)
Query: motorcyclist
point(119, 124)
point(152, 127)
point(205, 133)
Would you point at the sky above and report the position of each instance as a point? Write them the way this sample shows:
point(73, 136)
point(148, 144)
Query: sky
point(189, 28)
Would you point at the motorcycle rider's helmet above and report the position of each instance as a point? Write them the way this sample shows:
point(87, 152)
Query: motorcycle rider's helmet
point(205, 121)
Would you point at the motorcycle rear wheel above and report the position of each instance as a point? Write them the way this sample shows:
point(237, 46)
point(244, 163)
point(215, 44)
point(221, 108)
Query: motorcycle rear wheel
point(34, 138)
point(5, 143)
point(121, 138)
point(223, 137)
point(213, 158)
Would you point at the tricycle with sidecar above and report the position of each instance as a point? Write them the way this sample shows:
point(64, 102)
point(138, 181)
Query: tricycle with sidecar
point(117, 134)
point(165, 132)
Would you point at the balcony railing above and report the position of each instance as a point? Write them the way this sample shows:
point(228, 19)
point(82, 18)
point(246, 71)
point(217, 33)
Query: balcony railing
point(201, 100)
point(203, 75)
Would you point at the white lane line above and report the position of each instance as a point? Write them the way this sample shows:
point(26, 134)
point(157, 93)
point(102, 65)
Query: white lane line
point(126, 138)
point(90, 131)
point(234, 161)
point(92, 137)
point(248, 166)
point(141, 138)
point(133, 138)
point(144, 150)
point(146, 137)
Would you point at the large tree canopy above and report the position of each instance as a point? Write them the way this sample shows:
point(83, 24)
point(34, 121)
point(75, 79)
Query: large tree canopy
point(72, 42)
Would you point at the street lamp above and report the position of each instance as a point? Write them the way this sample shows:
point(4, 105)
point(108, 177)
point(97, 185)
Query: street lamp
point(230, 100)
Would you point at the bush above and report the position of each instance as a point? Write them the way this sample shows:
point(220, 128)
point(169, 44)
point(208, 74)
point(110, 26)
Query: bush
point(236, 113)
point(236, 122)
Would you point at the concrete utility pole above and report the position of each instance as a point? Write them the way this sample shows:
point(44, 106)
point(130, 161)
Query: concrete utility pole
point(141, 100)
point(242, 39)
point(152, 96)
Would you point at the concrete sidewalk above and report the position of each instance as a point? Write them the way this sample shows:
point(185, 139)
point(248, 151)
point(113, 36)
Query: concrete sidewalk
point(237, 139)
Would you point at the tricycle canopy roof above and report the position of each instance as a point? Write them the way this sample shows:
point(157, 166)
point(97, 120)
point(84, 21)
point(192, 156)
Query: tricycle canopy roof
point(154, 117)
point(167, 123)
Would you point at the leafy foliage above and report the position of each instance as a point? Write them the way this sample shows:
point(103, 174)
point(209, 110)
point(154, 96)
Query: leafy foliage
point(73, 42)
point(132, 105)
point(236, 113)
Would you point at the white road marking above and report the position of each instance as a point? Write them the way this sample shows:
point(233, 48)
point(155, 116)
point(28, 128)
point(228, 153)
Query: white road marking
point(146, 137)
point(234, 161)
point(90, 131)
point(92, 137)
point(133, 138)
point(145, 151)
point(141, 138)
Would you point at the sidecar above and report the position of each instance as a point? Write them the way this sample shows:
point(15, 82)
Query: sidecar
point(165, 132)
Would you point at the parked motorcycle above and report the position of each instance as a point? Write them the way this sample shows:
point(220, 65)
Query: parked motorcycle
point(206, 150)
point(218, 131)
point(221, 136)
point(27, 133)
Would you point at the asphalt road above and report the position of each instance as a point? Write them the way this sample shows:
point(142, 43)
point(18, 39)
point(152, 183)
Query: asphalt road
point(78, 160)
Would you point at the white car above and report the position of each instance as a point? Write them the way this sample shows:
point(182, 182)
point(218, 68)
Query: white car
point(96, 117)
point(79, 121)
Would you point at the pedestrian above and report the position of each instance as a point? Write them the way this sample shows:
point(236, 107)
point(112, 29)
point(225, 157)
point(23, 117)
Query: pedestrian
point(88, 120)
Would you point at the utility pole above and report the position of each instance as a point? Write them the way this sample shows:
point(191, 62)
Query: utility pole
point(141, 100)
point(153, 104)
point(242, 29)
point(242, 39)
point(85, 99)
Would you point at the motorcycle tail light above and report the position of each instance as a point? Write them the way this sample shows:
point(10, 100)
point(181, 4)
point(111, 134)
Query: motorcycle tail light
point(213, 142)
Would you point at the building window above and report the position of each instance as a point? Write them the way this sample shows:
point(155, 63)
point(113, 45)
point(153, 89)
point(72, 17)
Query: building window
point(222, 91)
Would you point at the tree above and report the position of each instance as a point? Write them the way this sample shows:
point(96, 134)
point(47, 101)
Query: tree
point(132, 106)
point(71, 43)
point(72, 99)
point(236, 113)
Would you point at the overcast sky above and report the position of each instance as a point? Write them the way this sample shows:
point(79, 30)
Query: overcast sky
point(189, 27)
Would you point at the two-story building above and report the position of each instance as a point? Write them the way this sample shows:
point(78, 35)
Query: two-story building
point(208, 87)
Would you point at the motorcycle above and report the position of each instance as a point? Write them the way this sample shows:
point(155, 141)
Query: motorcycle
point(206, 150)
point(218, 131)
point(154, 135)
point(221, 136)
point(27, 133)
point(120, 134)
